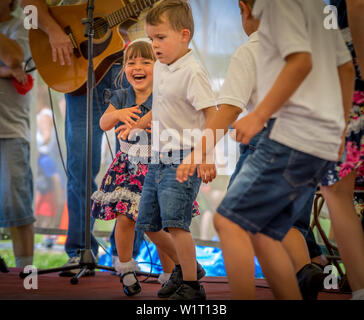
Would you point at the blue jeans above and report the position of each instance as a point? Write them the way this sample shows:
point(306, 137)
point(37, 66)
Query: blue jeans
point(165, 202)
point(272, 188)
point(76, 141)
point(245, 151)
point(303, 222)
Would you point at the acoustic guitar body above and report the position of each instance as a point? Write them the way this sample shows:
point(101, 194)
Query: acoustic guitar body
point(107, 48)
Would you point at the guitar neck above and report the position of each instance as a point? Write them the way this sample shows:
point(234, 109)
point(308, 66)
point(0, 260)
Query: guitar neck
point(131, 10)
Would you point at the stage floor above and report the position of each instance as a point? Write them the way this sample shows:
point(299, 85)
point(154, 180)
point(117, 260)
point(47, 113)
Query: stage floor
point(104, 286)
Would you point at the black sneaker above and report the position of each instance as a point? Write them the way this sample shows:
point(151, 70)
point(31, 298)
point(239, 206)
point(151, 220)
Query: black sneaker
point(176, 280)
point(186, 292)
point(311, 281)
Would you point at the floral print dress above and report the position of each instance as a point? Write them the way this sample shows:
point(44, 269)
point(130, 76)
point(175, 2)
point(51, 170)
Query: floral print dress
point(353, 157)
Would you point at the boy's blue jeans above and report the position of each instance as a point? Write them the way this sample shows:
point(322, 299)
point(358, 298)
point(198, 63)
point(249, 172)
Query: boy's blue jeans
point(165, 202)
point(272, 188)
point(303, 221)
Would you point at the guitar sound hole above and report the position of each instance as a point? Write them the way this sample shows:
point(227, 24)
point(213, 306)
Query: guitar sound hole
point(100, 27)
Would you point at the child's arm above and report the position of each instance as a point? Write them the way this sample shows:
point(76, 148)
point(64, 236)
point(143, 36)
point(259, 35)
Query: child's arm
point(220, 119)
point(5, 72)
point(296, 69)
point(355, 10)
point(11, 54)
point(347, 82)
point(17, 73)
point(113, 116)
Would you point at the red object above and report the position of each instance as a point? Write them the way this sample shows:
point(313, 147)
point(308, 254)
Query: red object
point(24, 88)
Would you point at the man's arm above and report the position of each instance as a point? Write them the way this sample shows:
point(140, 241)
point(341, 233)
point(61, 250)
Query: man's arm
point(355, 10)
point(295, 71)
point(59, 41)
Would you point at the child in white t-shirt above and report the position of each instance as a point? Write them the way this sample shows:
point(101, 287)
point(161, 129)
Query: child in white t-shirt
point(182, 102)
point(304, 78)
point(239, 93)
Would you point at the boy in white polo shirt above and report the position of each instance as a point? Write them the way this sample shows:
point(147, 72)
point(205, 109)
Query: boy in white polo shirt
point(299, 64)
point(182, 99)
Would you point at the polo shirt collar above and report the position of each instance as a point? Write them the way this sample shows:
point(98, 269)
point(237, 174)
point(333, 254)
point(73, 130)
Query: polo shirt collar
point(180, 62)
point(254, 36)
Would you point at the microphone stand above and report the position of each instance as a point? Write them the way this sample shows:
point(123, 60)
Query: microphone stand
point(87, 258)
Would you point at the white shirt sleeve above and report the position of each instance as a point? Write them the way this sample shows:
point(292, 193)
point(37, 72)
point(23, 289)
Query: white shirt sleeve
point(240, 80)
point(343, 54)
point(199, 92)
point(288, 26)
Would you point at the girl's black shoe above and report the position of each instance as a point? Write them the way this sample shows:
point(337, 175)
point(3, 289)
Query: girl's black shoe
point(134, 288)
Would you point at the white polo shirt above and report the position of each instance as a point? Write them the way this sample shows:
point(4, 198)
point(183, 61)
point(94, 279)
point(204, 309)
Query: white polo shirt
point(240, 85)
point(180, 92)
point(312, 120)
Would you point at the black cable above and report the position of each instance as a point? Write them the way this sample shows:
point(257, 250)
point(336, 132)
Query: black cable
point(56, 132)
point(151, 260)
point(26, 66)
point(100, 113)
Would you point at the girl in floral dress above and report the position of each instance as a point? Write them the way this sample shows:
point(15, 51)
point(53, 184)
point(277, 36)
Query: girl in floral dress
point(338, 186)
point(120, 191)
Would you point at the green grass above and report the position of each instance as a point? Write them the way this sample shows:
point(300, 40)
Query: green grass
point(41, 260)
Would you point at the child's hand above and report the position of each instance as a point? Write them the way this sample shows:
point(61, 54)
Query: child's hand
point(128, 115)
point(184, 171)
point(19, 74)
point(248, 127)
point(207, 172)
point(123, 131)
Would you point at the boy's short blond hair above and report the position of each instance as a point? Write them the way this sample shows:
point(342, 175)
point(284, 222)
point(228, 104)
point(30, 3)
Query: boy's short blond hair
point(178, 13)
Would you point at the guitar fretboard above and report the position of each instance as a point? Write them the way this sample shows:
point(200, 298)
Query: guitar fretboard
point(131, 10)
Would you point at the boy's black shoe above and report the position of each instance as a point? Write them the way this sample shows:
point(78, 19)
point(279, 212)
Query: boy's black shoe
point(176, 280)
point(186, 292)
point(311, 281)
point(134, 288)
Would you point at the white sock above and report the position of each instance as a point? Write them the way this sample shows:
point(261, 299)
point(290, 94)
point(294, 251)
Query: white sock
point(125, 267)
point(358, 295)
point(164, 277)
point(21, 262)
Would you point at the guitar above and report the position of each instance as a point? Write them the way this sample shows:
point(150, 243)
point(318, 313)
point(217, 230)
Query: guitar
point(108, 43)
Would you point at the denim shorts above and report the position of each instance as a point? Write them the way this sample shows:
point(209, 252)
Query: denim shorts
point(165, 202)
point(272, 188)
point(16, 187)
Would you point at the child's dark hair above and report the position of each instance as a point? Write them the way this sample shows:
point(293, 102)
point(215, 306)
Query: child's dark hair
point(178, 13)
point(134, 50)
